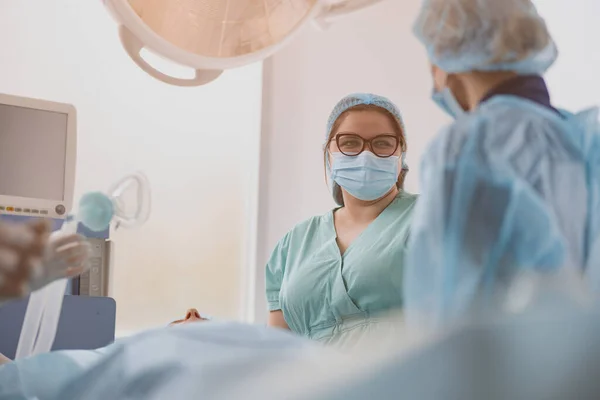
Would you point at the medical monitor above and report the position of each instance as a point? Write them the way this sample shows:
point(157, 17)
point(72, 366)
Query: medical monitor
point(38, 150)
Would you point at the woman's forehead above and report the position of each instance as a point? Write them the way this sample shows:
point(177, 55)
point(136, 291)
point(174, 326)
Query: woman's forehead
point(367, 123)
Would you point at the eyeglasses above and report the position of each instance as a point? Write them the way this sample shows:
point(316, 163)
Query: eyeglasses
point(383, 146)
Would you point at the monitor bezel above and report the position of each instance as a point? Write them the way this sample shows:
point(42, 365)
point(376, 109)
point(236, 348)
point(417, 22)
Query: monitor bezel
point(46, 208)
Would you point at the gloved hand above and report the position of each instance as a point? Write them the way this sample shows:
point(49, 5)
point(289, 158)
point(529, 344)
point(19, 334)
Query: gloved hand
point(4, 359)
point(29, 259)
point(21, 247)
point(65, 256)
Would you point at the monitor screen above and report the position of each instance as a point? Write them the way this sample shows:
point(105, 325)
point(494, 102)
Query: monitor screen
point(33, 149)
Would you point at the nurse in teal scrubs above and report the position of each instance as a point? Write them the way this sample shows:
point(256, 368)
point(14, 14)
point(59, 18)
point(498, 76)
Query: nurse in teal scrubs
point(333, 276)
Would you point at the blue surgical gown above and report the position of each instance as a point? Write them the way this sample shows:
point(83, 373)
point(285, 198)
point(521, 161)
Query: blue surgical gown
point(337, 298)
point(192, 361)
point(44, 375)
point(506, 188)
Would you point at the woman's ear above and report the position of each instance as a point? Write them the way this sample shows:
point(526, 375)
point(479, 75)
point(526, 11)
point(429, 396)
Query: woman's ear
point(328, 159)
point(401, 179)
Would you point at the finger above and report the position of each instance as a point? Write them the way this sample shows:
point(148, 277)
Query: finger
point(38, 247)
point(26, 267)
point(41, 226)
point(23, 237)
point(78, 251)
point(76, 260)
point(73, 261)
point(16, 236)
point(12, 288)
point(75, 271)
point(66, 241)
point(9, 259)
point(36, 268)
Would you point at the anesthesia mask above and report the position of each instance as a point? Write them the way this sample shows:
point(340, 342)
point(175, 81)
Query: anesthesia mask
point(125, 204)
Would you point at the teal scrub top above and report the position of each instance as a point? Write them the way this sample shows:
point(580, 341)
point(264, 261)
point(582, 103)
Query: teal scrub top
point(325, 295)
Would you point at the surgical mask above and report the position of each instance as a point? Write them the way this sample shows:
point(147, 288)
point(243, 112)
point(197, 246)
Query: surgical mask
point(366, 176)
point(447, 102)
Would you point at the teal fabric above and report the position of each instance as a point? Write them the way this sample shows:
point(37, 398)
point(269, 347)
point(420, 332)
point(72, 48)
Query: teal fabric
point(506, 188)
point(485, 35)
point(325, 295)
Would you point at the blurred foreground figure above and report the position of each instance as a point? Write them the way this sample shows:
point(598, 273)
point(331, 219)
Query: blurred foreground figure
point(512, 184)
point(540, 344)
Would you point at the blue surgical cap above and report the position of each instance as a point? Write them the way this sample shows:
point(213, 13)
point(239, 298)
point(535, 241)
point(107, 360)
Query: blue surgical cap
point(357, 99)
point(485, 35)
point(354, 100)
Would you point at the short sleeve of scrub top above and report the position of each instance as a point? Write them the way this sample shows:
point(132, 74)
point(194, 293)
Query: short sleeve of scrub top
point(274, 274)
point(324, 294)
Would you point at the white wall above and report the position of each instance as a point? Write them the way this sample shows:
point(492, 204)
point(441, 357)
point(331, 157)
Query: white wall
point(574, 80)
point(199, 148)
point(376, 51)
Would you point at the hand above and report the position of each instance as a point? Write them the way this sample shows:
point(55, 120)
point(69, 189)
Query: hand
point(65, 256)
point(4, 359)
point(21, 248)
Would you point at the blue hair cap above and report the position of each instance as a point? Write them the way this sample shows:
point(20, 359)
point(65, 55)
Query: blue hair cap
point(356, 99)
point(485, 35)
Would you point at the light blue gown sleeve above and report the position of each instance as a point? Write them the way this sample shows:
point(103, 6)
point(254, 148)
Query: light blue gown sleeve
point(274, 273)
point(44, 375)
point(475, 225)
point(589, 120)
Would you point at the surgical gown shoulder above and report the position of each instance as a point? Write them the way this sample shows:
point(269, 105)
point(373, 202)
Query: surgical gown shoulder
point(506, 128)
